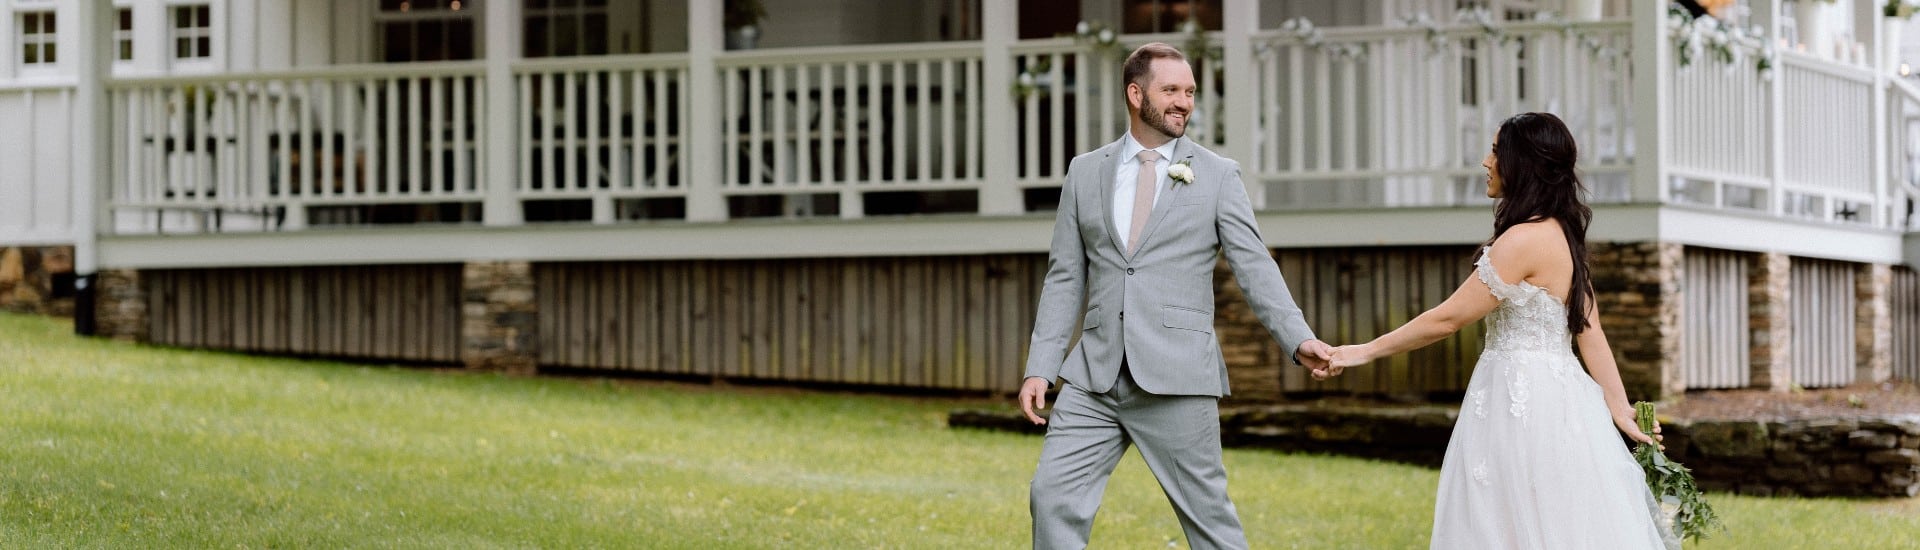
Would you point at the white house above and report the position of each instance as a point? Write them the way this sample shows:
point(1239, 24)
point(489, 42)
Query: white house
point(859, 191)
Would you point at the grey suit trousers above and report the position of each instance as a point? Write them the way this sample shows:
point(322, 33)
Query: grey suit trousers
point(1178, 435)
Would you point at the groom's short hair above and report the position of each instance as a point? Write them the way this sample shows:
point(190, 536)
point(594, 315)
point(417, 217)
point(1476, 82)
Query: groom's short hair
point(1140, 62)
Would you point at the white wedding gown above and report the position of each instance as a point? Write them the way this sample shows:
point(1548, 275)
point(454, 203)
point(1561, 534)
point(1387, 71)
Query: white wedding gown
point(1535, 461)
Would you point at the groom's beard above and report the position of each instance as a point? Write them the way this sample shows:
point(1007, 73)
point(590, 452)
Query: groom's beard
point(1157, 120)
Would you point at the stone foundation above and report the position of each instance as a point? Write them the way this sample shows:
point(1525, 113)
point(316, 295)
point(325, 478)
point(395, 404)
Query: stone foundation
point(37, 279)
point(1637, 286)
point(1822, 457)
point(1770, 320)
point(120, 305)
point(1873, 322)
point(499, 317)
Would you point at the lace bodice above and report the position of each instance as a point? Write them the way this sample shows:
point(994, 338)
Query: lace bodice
point(1527, 319)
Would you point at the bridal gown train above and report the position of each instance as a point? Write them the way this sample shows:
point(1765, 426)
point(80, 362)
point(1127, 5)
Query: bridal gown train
point(1535, 461)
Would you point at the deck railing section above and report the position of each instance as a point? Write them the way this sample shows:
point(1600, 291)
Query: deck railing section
point(602, 129)
point(842, 120)
point(1402, 116)
point(255, 151)
point(1348, 117)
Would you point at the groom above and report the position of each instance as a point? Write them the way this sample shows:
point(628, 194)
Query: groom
point(1141, 221)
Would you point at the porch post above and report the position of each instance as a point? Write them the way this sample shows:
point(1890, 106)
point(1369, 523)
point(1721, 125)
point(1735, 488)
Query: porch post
point(999, 29)
point(705, 40)
point(92, 44)
point(1241, 19)
point(1652, 67)
point(501, 208)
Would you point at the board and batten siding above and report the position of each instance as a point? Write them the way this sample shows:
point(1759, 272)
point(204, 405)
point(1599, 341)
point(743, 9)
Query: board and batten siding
point(1905, 298)
point(1715, 342)
point(1352, 295)
point(1823, 323)
point(390, 312)
point(954, 323)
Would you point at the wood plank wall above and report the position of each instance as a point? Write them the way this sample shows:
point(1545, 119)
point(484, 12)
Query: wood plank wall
point(1823, 323)
point(1351, 295)
point(929, 322)
point(1715, 342)
point(945, 322)
point(1905, 296)
point(398, 312)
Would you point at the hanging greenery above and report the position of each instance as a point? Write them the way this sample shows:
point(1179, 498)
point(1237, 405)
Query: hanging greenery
point(1709, 37)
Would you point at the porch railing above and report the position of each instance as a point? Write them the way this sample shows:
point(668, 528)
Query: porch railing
point(1356, 117)
point(1796, 143)
point(833, 120)
point(1403, 116)
point(255, 151)
point(603, 129)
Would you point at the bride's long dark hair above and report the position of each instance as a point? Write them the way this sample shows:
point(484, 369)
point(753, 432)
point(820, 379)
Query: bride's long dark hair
point(1535, 157)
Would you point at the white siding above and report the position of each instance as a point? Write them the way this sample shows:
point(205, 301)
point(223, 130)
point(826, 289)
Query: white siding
point(35, 195)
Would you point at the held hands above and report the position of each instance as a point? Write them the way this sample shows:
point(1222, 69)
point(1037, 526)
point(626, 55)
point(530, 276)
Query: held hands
point(1342, 357)
point(1313, 354)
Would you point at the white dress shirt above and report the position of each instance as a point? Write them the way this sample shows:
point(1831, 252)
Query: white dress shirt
point(1128, 175)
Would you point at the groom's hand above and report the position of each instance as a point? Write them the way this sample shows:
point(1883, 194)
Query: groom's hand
point(1314, 355)
point(1033, 396)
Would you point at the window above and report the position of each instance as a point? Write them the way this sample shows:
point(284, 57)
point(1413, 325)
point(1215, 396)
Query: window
point(560, 28)
point(123, 34)
point(192, 32)
point(425, 30)
point(37, 38)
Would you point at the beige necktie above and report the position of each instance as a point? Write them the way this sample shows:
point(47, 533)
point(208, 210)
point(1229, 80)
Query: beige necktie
point(1144, 188)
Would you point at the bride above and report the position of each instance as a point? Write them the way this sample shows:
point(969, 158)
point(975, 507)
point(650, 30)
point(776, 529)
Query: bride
point(1533, 462)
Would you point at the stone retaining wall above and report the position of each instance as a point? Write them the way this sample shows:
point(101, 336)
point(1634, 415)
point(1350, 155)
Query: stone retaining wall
point(1821, 457)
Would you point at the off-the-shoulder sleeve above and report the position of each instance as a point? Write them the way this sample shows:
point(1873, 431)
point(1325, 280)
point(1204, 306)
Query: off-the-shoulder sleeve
point(1501, 289)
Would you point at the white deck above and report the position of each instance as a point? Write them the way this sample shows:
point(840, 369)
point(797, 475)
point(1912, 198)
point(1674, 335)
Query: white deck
point(1357, 135)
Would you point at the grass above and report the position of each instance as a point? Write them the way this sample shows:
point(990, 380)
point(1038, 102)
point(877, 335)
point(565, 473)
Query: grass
point(112, 445)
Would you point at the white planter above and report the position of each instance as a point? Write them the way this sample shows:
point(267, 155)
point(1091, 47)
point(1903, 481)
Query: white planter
point(1810, 20)
point(1584, 10)
point(1891, 29)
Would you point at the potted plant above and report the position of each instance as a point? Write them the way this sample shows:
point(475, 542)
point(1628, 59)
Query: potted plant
point(742, 20)
point(1810, 24)
point(1896, 12)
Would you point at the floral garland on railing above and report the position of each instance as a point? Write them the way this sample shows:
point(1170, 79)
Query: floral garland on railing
point(1303, 31)
point(1494, 33)
point(1694, 38)
point(1101, 39)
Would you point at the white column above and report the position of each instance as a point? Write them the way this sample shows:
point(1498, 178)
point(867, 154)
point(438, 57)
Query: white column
point(242, 32)
point(1774, 12)
point(273, 23)
point(999, 29)
point(93, 61)
point(1871, 22)
point(1240, 21)
point(705, 40)
point(1652, 67)
point(501, 208)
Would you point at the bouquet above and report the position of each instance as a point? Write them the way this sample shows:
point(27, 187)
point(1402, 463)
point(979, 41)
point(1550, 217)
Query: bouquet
point(1672, 484)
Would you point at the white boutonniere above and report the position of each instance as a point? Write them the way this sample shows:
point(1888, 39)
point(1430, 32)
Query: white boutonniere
point(1181, 172)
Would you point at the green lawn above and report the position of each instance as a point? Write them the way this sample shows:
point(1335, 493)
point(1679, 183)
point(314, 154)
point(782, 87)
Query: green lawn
point(113, 445)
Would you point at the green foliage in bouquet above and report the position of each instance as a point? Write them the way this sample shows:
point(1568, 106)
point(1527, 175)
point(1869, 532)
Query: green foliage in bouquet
point(1672, 484)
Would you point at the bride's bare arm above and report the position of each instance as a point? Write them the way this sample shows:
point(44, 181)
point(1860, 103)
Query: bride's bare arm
point(1513, 254)
point(1468, 303)
point(1598, 356)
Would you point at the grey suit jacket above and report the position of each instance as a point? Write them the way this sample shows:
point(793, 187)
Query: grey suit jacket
point(1156, 307)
